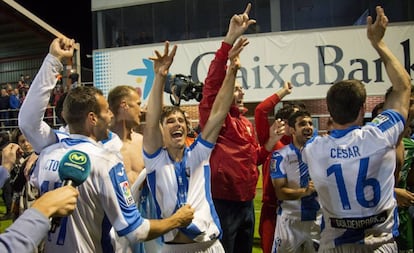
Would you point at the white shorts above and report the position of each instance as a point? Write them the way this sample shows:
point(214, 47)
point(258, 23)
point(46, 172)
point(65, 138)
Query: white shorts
point(293, 235)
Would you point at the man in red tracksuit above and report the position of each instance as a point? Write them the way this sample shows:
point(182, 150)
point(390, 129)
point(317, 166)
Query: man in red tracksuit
point(236, 154)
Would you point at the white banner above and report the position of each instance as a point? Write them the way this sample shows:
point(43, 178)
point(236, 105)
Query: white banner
point(311, 59)
point(98, 5)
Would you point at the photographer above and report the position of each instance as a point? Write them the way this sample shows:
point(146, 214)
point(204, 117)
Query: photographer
point(8, 158)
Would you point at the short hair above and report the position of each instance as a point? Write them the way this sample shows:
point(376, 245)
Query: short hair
point(287, 110)
point(168, 110)
point(297, 114)
point(15, 134)
point(79, 102)
point(345, 99)
point(116, 95)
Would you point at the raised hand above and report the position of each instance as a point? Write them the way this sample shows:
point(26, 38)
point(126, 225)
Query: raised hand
point(238, 25)
point(62, 48)
point(9, 155)
point(59, 202)
point(234, 53)
point(163, 62)
point(287, 86)
point(376, 30)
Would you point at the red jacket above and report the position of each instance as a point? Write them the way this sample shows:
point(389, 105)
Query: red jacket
point(236, 154)
point(262, 127)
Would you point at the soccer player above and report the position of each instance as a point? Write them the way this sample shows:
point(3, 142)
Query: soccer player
point(298, 216)
point(178, 174)
point(125, 103)
point(352, 169)
point(104, 198)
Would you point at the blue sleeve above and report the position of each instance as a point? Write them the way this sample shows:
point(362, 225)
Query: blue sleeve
point(25, 234)
point(276, 170)
point(4, 175)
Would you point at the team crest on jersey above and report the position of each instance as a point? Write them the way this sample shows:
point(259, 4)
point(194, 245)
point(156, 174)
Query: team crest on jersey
point(275, 158)
point(381, 118)
point(126, 193)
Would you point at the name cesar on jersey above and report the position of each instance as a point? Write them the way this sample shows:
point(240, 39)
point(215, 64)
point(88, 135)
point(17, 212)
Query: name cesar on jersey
point(349, 152)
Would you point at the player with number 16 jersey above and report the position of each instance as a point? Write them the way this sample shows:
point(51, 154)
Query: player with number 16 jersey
point(353, 173)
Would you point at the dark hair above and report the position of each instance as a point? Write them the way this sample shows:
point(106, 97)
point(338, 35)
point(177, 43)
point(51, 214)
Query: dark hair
point(297, 114)
point(16, 133)
point(168, 110)
point(287, 110)
point(79, 102)
point(345, 99)
point(5, 139)
point(116, 95)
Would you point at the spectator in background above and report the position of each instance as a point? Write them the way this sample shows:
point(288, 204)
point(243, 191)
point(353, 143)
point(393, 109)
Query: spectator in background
point(7, 192)
point(19, 182)
point(235, 157)
point(4, 107)
point(74, 80)
point(14, 105)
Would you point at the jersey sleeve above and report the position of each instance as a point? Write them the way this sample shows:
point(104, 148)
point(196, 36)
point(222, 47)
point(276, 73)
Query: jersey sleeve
point(391, 124)
point(32, 111)
point(277, 165)
point(119, 204)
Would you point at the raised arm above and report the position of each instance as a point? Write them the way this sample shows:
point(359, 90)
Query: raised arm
point(238, 25)
point(217, 69)
point(399, 98)
point(31, 114)
point(224, 98)
point(152, 138)
point(261, 113)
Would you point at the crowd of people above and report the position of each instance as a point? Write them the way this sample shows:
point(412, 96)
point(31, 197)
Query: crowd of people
point(345, 191)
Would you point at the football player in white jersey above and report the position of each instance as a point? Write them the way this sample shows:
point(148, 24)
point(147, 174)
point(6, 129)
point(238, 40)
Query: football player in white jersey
point(178, 174)
point(104, 199)
point(298, 216)
point(352, 168)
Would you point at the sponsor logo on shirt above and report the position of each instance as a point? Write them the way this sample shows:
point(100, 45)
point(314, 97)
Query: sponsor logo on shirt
point(126, 193)
point(359, 222)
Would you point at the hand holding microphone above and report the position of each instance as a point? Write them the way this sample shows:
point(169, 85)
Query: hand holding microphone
point(74, 169)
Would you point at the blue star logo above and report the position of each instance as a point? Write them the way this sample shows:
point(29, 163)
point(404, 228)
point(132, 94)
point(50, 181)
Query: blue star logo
point(147, 72)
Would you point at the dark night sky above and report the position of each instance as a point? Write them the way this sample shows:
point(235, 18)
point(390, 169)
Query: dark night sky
point(73, 19)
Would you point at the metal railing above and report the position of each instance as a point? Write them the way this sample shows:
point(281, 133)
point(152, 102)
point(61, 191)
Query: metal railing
point(9, 118)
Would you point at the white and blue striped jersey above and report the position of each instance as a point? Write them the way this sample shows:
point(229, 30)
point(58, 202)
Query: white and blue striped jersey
point(174, 184)
point(105, 199)
point(353, 173)
point(287, 163)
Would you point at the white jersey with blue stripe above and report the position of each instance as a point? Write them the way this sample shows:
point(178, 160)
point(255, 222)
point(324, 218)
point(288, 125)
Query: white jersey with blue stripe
point(165, 185)
point(105, 199)
point(353, 173)
point(287, 163)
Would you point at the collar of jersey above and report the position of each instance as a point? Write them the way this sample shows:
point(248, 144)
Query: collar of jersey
point(336, 133)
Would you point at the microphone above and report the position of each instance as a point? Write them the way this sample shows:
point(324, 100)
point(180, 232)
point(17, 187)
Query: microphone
point(74, 169)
